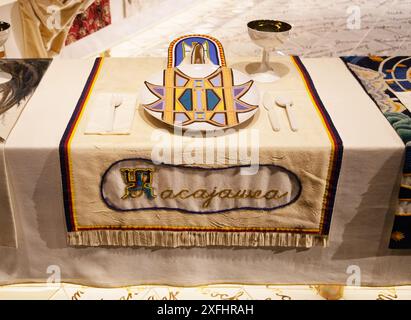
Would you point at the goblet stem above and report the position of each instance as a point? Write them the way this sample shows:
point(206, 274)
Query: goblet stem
point(265, 63)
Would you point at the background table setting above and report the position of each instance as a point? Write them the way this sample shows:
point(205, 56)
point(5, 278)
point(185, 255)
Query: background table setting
point(87, 190)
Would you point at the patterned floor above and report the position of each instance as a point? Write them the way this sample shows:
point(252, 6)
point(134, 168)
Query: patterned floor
point(321, 28)
point(214, 292)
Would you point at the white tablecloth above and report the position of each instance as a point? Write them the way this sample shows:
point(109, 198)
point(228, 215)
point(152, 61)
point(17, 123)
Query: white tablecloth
point(8, 230)
point(360, 228)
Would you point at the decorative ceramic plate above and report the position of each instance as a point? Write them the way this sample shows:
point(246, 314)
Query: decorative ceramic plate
point(201, 93)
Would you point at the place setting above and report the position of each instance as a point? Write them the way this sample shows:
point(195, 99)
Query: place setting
point(213, 115)
point(197, 93)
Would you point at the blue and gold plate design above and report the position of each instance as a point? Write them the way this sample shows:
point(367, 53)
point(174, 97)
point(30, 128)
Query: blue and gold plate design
point(197, 90)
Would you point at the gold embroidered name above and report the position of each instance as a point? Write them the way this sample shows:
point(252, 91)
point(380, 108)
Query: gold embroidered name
point(139, 181)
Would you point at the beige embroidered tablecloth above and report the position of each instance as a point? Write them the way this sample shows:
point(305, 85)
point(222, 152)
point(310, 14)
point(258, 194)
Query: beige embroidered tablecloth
point(359, 232)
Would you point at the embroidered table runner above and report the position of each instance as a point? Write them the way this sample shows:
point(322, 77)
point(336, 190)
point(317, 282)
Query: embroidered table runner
point(387, 80)
point(115, 194)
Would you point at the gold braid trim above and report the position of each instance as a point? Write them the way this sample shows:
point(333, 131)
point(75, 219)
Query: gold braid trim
point(174, 239)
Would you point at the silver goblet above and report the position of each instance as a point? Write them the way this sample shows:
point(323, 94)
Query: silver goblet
point(268, 34)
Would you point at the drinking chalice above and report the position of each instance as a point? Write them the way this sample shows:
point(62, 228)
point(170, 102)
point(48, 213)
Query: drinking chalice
point(268, 34)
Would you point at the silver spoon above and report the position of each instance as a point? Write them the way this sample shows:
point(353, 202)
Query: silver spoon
point(286, 102)
point(267, 103)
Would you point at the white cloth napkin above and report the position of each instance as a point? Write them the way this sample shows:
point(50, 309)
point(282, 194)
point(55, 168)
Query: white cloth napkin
point(105, 118)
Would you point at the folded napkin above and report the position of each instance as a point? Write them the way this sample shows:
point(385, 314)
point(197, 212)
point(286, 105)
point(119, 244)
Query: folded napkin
point(107, 118)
